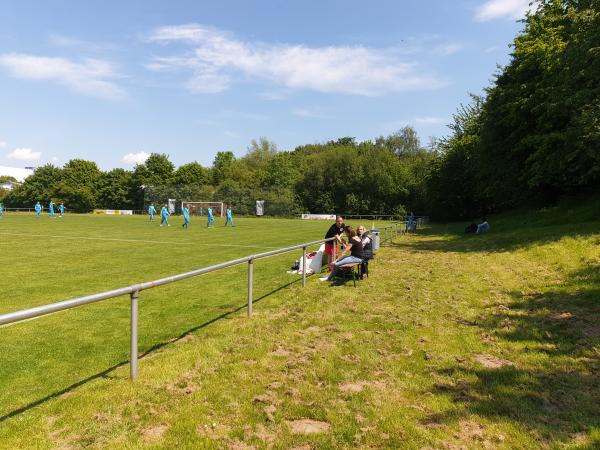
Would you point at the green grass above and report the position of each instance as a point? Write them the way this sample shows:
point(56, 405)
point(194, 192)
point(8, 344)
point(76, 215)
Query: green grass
point(483, 341)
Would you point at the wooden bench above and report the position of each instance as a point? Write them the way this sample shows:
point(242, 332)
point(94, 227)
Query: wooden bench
point(353, 269)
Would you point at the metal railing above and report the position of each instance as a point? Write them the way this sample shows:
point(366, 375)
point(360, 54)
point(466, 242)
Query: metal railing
point(389, 233)
point(134, 292)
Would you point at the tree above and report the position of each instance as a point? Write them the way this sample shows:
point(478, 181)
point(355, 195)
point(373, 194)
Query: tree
point(191, 173)
point(403, 141)
point(115, 188)
point(221, 169)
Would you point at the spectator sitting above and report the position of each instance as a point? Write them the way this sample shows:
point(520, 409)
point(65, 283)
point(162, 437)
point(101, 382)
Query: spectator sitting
point(471, 228)
point(483, 227)
point(365, 240)
point(354, 247)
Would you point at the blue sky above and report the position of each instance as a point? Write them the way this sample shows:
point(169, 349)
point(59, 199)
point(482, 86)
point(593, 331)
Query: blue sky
point(112, 81)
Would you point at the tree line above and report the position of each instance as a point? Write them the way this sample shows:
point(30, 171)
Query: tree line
point(532, 136)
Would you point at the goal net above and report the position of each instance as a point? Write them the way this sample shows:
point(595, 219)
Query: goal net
point(199, 208)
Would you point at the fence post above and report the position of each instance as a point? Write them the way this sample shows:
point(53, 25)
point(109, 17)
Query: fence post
point(133, 351)
point(303, 266)
point(250, 267)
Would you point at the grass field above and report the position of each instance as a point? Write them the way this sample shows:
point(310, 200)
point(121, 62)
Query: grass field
point(47, 260)
point(453, 342)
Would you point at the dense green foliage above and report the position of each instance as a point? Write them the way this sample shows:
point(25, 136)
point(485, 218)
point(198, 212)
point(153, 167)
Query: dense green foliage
point(343, 175)
point(532, 137)
point(536, 135)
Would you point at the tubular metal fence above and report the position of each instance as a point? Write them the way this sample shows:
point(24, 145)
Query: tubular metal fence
point(387, 234)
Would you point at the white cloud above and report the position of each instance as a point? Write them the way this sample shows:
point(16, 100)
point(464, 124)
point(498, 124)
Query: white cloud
point(503, 9)
point(448, 49)
point(3, 144)
point(217, 60)
point(55, 159)
point(91, 76)
point(135, 158)
point(430, 120)
point(25, 154)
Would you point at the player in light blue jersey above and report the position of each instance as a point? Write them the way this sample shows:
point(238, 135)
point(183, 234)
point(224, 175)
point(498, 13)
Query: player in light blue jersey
point(229, 217)
point(164, 216)
point(1, 209)
point(38, 209)
point(51, 208)
point(186, 217)
point(210, 220)
point(152, 211)
point(61, 210)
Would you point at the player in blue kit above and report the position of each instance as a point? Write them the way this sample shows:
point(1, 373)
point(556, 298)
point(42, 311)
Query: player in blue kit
point(1, 209)
point(38, 209)
point(210, 220)
point(164, 216)
point(152, 211)
point(186, 217)
point(61, 210)
point(229, 217)
point(51, 208)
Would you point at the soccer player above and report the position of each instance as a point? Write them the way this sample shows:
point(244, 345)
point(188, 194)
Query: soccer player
point(61, 209)
point(186, 217)
point(229, 217)
point(210, 220)
point(38, 209)
point(164, 216)
point(51, 208)
point(151, 211)
point(1, 209)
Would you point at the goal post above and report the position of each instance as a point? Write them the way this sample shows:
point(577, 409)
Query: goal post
point(197, 207)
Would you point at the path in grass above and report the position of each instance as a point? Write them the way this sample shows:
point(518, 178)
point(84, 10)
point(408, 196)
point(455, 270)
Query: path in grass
point(481, 342)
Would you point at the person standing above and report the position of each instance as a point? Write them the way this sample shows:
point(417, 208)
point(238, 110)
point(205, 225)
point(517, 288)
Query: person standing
point(51, 208)
point(335, 230)
point(186, 217)
point(229, 217)
point(1, 209)
point(38, 209)
point(210, 220)
point(61, 210)
point(151, 212)
point(164, 216)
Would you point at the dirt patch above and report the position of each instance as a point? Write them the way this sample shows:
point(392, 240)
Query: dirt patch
point(359, 386)
point(352, 387)
point(302, 447)
point(280, 351)
point(154, 433)
point(236, 444)
point(491, 362)
point(270, 412)
point(308, 426)
point(562, 316)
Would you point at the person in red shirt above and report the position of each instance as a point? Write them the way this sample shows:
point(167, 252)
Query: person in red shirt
point(335, 230)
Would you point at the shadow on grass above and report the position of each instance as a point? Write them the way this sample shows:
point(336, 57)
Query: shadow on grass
point(501, 239)
point(554, 389)
point(106, 373)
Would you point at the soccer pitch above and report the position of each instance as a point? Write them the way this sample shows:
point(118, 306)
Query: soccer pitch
point(48, 260)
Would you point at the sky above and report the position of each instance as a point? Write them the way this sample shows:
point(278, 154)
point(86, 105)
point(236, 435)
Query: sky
point(113, 81)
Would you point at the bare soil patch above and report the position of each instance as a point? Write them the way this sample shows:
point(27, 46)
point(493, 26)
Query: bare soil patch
point(308, 426)
point(491, 362)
